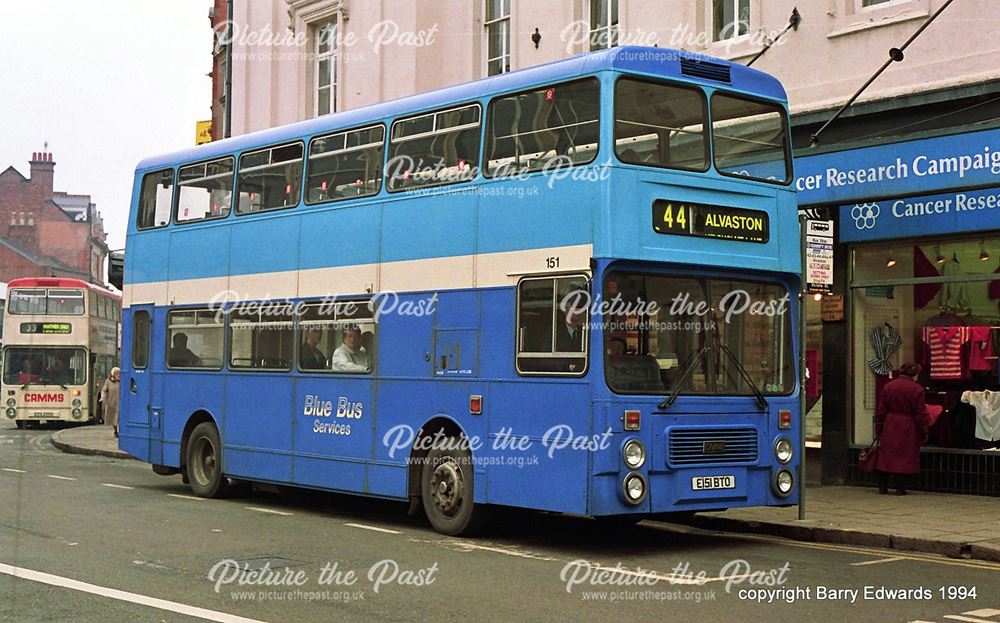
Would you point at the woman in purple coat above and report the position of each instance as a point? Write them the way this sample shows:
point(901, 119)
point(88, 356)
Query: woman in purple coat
point(901, 424)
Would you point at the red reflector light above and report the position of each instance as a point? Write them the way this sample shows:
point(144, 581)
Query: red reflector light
point(784, 418)
point(631, 420)
point(476, 405)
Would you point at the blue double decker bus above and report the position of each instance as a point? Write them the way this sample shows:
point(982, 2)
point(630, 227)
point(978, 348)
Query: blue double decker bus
point(569, 288)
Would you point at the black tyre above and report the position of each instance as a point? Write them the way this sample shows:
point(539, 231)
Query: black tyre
point(204, 462)
point(446, 489)
point(618, 522)
point(22, 424)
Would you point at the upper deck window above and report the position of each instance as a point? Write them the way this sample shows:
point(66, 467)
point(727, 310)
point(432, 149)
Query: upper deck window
point(660, 125)
point(436, 148)
point(543, 128)
point(345, 165)
point(750, 139)
point(154, 199)
point(269, 178)
point(42, 301)
point(205, 190)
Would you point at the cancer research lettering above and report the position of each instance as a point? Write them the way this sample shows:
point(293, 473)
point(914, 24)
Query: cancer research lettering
point(949, 213)
point(906, 168)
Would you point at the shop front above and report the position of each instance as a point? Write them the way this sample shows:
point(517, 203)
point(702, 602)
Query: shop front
point(917, 262)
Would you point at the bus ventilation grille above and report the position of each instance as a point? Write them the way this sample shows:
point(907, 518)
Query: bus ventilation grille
point(705, 69)
point(706, 446)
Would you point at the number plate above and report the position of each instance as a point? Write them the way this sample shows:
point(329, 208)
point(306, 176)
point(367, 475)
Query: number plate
point(707, 483)
point(43, 414)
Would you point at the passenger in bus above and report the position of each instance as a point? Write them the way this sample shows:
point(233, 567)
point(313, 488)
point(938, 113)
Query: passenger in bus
point(569, 331)
point(180, 355)
point(349, 357)
point(58, 372)
point(310, 356)
point(29, 371)
point(109, 398)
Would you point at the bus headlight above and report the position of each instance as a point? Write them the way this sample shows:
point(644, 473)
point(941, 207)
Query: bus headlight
point(783, 483)
point(634, 454)
point(76, 402)
point(77, 413)
point(783, 450)
point(11, 402)
point(11, 412)
point(634, 488)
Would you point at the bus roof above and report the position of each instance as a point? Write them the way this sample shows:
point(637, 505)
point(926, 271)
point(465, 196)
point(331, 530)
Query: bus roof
point(664, 62)
point(59, 282)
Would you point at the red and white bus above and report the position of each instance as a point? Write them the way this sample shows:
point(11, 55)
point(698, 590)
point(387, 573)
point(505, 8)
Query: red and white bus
point(61, 339)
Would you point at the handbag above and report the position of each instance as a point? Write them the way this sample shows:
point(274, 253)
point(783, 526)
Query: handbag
point(868, 457)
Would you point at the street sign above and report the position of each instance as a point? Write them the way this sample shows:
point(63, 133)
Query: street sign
point(819, 256)
point(203, 132)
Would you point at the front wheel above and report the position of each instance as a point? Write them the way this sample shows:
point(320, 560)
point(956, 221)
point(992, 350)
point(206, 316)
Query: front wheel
point(204, 462)
point(446, 489)
point(22, 424)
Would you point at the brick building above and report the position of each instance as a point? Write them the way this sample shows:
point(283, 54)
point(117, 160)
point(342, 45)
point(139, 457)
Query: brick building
point(44, 232)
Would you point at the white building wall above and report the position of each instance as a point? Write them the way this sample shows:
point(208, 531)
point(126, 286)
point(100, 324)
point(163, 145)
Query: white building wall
point(394, 48)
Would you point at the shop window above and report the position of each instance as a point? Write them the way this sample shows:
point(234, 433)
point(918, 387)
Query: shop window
point(934, 303)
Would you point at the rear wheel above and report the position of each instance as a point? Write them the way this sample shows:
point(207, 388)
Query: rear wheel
point(22, 424)
point(446, 489)
point(204, 462)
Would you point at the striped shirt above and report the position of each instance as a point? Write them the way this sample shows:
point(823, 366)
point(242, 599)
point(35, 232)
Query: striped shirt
point(945, 344)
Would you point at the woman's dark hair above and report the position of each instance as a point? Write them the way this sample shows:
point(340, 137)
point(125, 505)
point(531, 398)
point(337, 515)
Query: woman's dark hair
point(910, 369)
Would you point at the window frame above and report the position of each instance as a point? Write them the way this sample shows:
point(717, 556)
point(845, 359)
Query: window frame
point(498, 21)
point(707, 134)
point(484, 169)
point(715, 37)
point(613, 17)
point(139, 203)
point(381, 173)
point(786, 132)
point(585, 353)
point(457, 129)
point(239, 170)
point(228, 342)
point(148, 342)
point(175, 205)
point(336, 322)
point(169, 339)
point(332, 55)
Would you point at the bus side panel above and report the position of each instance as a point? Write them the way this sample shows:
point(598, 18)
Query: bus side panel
point(332, 418)
point(181, 394)
point(257, 435)
point(547, 418)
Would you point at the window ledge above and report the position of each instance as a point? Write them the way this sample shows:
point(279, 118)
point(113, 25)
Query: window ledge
point(734, 49)
point(875, 22)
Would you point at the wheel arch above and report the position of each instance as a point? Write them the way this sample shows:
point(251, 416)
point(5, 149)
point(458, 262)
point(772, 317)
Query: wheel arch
point(440, 422)
point(198, 417)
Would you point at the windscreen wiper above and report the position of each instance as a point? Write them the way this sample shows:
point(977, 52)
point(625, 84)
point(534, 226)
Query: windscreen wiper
point(761, 401)
point(685, 375)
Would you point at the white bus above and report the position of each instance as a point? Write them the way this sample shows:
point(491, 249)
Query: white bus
point(60, 343)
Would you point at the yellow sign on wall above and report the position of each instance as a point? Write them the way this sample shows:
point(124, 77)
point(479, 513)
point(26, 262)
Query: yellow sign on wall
point(203, 132)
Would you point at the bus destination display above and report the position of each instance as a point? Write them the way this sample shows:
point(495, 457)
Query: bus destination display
point(46, 328)
point(708, 221)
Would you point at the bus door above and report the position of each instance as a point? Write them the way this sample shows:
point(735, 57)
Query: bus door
point(139, 384)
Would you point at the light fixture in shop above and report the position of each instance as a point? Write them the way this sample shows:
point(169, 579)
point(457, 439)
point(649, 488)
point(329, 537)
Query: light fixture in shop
point(983, 255)
point(890, 262)
point(940, 259)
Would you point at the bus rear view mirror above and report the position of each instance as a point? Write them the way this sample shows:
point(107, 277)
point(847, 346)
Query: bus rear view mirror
point(116, 268)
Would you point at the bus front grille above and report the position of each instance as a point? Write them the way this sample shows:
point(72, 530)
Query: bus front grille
point(700, 446)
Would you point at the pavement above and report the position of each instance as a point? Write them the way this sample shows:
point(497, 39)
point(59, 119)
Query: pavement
point(959, 526)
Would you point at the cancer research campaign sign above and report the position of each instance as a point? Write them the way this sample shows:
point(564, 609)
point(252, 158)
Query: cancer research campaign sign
point(948, 213)
point(908, 168)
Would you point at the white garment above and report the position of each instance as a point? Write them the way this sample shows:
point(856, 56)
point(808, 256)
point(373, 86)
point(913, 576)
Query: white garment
point(987, 406)
point(346, 360)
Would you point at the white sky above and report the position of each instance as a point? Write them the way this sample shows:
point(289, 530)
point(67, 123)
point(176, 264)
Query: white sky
point(106, 83)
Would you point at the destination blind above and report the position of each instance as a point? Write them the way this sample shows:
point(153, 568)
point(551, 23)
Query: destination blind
point(708, 221)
